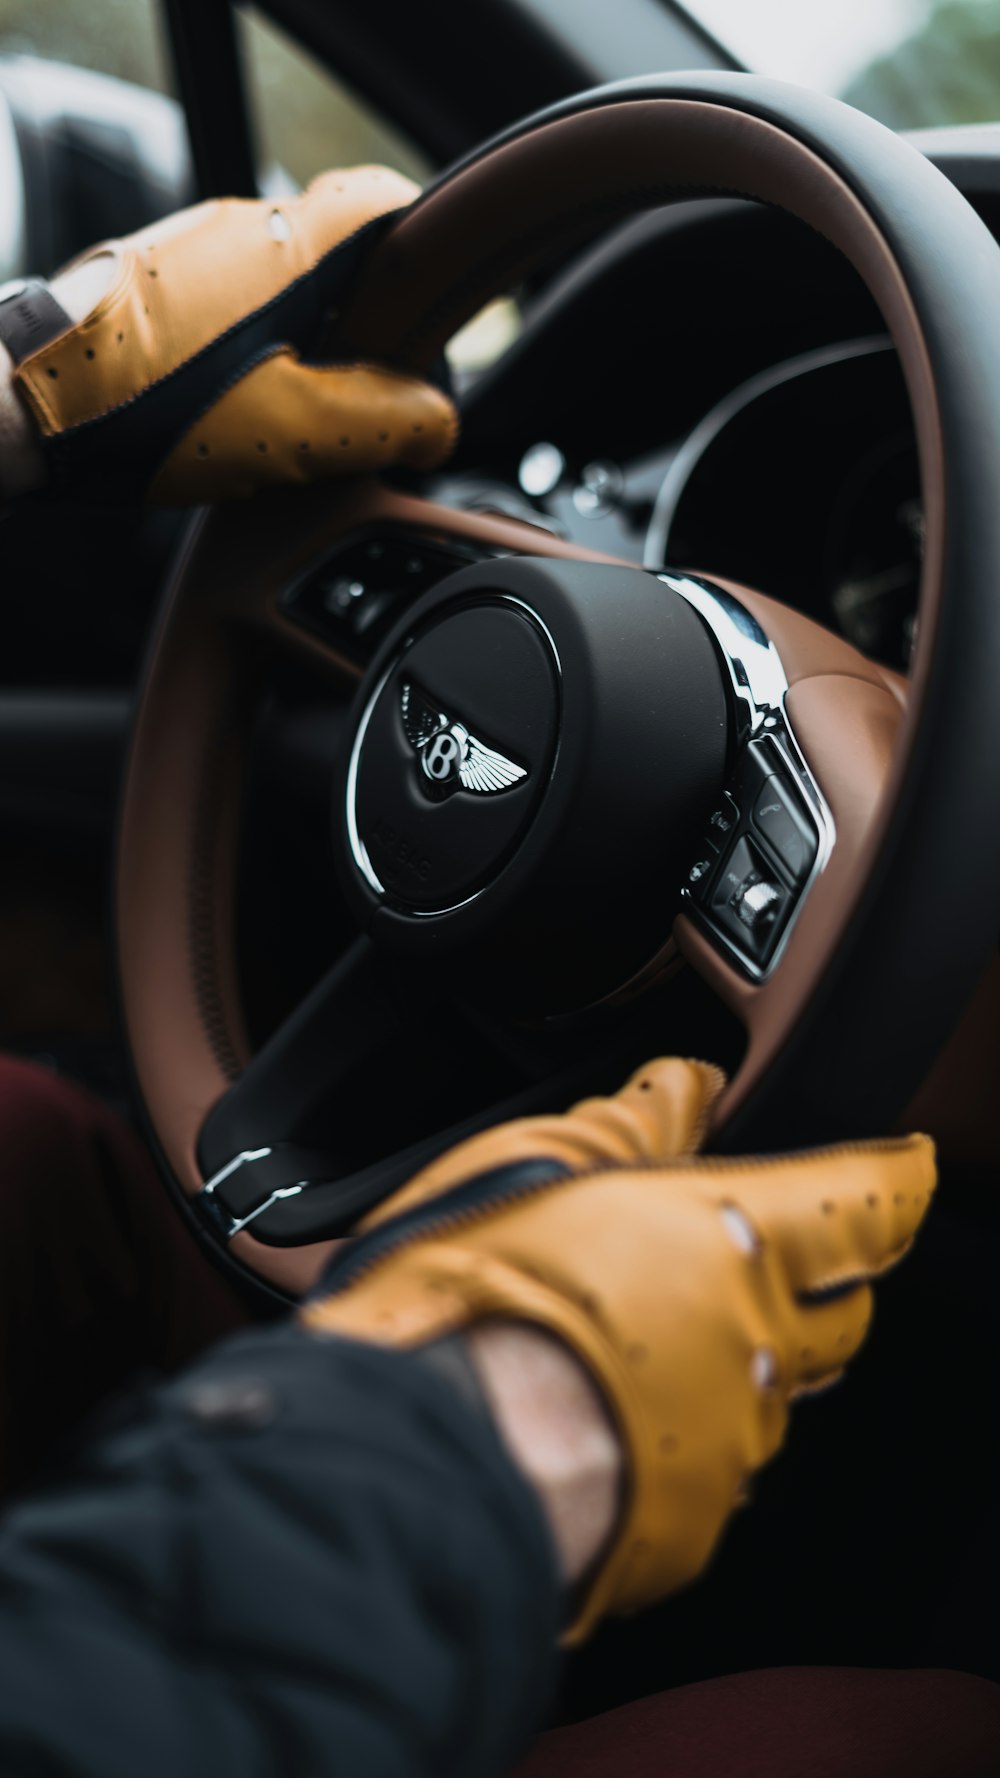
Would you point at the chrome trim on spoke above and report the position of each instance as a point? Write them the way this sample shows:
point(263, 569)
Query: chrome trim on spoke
point(231, 1167)
point(227, 1225)
point(748, 655)
point(759, 684)
point(285, 1191)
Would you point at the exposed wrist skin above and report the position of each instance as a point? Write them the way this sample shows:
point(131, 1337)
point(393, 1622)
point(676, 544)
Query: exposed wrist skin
point(558, 1431)
point(21, 464)
point(702, 1295)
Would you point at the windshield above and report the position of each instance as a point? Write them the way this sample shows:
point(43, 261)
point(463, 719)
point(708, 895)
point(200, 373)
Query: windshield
point(911, 63)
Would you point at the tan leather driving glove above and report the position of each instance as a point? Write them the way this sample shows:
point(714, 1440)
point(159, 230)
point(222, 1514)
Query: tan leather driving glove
point(702, 1294)
point(199, 376)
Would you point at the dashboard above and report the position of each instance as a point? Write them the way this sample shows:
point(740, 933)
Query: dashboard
point(802, 481)
point(710, 389)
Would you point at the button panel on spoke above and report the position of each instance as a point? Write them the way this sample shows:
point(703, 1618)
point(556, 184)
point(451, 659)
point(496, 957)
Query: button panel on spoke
point(757, 854)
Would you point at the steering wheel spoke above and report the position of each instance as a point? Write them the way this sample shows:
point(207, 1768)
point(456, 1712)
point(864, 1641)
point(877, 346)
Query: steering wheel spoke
point(805, 802)
point(320, 574)
point(286, 1153)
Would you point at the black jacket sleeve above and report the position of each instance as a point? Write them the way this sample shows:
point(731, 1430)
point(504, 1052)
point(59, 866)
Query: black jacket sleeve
point(305, 1557)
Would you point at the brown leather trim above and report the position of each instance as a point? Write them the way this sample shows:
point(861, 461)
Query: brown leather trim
point(808, 650)
point(175, 875)
point(958, 1100)
point(295, 1270)
point(847, 728)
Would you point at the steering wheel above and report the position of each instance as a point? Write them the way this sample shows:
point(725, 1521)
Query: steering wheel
point(573, 784)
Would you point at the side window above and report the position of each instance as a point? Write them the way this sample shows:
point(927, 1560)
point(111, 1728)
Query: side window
point(90, 143)
point(120, 37)
point(307, 120)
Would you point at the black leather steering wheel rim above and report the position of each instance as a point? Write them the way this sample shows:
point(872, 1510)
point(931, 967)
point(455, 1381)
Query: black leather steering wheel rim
point(918, 937)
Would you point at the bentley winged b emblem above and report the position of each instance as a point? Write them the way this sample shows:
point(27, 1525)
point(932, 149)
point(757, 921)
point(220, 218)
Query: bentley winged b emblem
point(449, 755)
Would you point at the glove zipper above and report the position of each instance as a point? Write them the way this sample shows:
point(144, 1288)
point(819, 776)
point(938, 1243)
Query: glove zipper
point(505, 1185)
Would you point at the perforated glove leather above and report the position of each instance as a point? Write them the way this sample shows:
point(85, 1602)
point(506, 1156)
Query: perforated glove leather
point(199, 375)
point(702, 1294)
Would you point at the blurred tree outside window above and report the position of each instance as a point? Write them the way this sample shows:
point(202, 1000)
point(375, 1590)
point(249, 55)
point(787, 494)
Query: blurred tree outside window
point(120, 37)
point(912, 63)
point(304, 118)
point(307, 120)
point(948, 71)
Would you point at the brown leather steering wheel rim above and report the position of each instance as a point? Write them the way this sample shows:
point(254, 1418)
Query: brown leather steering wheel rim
point(480, 229)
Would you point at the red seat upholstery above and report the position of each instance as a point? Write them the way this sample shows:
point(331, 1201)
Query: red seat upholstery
point(792, 1722)
point(100, 1279)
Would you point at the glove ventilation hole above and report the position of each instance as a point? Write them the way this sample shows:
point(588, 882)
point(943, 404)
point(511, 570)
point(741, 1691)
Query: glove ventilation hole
point(872, 1201)
point(828, 1207)
point(90, 353)
point(203, 450)
point(53, 373)
point(669, 1444)
point(637, 1354)
point(304, 444)
point(262, 446)
point(345, 441)
point(121, 338)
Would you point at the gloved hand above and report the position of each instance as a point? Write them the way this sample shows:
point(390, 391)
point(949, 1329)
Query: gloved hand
point(192, 379)
point(701, 1294)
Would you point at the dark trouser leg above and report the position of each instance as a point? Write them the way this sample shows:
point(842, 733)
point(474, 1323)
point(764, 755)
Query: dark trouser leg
point(100, 1280)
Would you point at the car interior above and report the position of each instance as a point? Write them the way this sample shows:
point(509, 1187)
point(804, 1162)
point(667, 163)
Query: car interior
point(661, 719)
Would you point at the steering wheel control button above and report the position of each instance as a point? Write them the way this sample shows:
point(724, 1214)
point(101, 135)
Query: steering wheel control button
point(701, 870)
point(353, 597)
point(738, 871)
point(776, 816)
point(533, 752)
point(749, 902)
point(722, 823)
point(759, 905)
